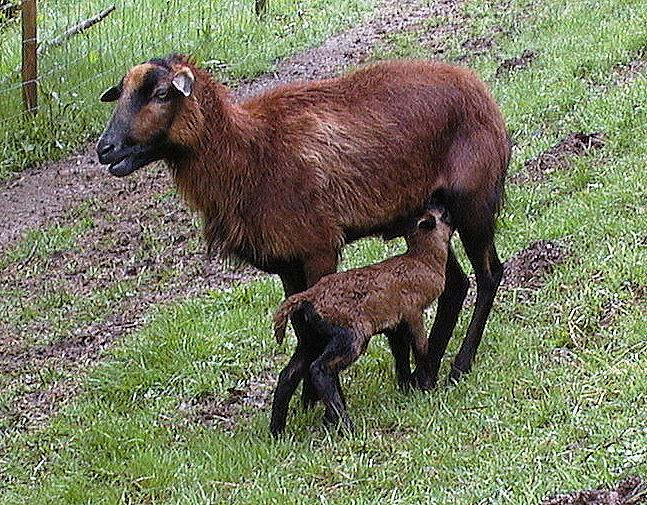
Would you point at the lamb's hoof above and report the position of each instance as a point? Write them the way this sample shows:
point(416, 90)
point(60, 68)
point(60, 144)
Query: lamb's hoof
point(422, 381)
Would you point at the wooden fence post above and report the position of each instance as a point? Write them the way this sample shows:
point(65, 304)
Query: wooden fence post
point(29, 59)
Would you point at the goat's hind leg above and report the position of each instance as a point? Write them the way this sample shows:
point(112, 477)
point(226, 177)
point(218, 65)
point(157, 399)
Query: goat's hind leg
point(489, 272)
point(450, 303)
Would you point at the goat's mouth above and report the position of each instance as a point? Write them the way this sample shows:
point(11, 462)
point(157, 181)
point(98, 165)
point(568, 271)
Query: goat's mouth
point(130, 159)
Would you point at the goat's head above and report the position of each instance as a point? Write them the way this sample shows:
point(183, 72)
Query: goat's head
point(149, 98)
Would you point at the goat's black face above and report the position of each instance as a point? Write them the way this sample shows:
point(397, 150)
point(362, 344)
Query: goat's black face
point(147, 99)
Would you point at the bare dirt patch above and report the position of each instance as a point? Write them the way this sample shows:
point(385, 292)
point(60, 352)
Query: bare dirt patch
point(517, 63)
point(241, 402)
point(630, 491)
point(558, 157)
point(617, 306)
point(530, 267)
point(627, 73)
point(350, 47)
point(528, 270)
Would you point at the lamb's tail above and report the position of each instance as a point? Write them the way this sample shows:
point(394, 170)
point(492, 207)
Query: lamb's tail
point(286, 309)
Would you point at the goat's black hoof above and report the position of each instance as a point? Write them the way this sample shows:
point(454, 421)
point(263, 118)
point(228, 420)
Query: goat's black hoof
point(422, 381)
point(277, 429)
point(405, 386)
point(455, 375)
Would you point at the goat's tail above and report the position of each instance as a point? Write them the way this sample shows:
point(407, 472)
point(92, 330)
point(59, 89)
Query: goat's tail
point(286, 309)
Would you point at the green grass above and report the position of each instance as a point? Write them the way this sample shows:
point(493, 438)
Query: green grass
point(224, 35)
point(523, 425)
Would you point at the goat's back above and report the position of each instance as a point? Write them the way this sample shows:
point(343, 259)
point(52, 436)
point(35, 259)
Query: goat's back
point(371, 147)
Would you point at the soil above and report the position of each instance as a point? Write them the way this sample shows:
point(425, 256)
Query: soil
point(527, 271)
point(241, 402)
point(616, 306)
point(529, 268)
point(628, 72)
point(351, 47)
point(517, 63)
point(141, 236)
point(630, 491)
point(558, 157)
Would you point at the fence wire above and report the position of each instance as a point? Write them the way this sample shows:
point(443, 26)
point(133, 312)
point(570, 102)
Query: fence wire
point(84, 47)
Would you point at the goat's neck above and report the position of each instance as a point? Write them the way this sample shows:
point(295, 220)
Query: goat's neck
point(215, 174)
point(216, 168)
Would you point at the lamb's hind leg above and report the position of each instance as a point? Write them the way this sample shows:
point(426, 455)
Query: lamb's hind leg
point(314, 269)
point(289, 379)
point(344, 348)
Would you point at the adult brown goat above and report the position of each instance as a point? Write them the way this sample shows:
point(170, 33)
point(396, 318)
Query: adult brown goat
point(285, 179)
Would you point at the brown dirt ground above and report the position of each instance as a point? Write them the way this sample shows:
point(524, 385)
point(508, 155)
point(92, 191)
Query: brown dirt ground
point(517, 63)
point(628, 72)
point(617, 306)
point(558, 157)
point(241, 402)
point(528, 270)
point(630, 491)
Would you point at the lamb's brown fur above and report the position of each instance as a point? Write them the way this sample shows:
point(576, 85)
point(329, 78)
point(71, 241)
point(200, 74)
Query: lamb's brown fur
point(373, 299)
point(286, 178)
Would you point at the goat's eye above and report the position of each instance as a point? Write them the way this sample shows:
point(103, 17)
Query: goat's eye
point(161, 94)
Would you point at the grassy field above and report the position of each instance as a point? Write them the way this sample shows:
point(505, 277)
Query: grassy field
point(223, 35)
point(556, 400)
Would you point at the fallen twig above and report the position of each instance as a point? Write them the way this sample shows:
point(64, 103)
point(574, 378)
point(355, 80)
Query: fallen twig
point(78, 28)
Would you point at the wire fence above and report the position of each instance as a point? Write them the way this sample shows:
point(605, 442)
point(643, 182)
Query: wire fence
point(57, 56)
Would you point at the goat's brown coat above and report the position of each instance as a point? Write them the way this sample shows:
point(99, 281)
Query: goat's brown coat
point(296, 171)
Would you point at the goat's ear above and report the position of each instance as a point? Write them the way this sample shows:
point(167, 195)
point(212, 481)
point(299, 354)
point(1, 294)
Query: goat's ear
point(427, 224)
point(111, 94)
point(183, 81)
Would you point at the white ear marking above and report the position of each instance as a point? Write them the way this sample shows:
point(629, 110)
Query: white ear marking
point(183, 81)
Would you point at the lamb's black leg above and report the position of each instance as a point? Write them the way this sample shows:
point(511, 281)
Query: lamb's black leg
point(344, 348)
point(289, 379)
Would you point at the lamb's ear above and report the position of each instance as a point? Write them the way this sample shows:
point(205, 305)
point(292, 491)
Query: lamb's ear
point(427, 224)
point(183, 81)
point(111, 94)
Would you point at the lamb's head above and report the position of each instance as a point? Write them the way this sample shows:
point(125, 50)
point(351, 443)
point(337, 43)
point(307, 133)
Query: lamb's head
point(432, 230)
point(150, 99)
